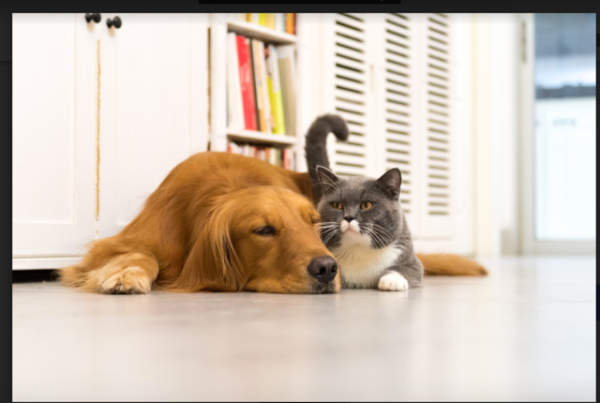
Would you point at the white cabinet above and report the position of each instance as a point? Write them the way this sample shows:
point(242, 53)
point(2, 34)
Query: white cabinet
point(153, 111)
point(100, 116)
point(54, 125)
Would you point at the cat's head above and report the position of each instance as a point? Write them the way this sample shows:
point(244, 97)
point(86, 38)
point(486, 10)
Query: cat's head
point(360, 210)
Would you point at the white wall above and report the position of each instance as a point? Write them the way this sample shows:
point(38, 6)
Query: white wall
point(495, 121)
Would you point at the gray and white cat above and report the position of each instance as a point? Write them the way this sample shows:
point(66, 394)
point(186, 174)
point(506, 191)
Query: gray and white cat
point(363, 224)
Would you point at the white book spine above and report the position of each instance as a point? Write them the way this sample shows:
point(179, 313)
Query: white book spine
point(265, 88)
point(285, 55)
point(235, 108)
point(280, 22)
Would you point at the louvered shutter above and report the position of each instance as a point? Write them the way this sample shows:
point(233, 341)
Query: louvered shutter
point(349, 80)
point(395, 102)
point(434, 87)
point(389, 76)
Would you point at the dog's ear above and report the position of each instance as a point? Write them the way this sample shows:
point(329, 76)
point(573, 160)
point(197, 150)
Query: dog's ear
point(327, 179)
point(212, 263)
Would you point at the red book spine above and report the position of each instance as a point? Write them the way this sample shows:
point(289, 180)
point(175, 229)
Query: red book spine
point(246, 83)
point(294, 26)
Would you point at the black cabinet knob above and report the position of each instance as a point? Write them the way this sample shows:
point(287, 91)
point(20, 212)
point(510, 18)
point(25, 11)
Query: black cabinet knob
point(115, 22)
point(96, 17)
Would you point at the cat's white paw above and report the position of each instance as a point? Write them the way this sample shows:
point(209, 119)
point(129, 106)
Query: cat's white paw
point(393, 281)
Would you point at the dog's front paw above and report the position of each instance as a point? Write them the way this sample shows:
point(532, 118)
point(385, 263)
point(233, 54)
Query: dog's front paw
point(393, 281)
point(131, 280)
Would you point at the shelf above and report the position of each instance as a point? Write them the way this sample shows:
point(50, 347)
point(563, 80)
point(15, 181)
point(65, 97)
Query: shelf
point(259, 137)
point(256, 31)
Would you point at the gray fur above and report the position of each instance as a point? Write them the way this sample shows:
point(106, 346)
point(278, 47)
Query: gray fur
point(316, 146)
point(384, 223)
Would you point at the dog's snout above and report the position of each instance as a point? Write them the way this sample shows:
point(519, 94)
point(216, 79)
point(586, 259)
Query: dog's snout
point(323, 268)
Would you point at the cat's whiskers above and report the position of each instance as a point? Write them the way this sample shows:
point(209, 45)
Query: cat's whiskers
point(329, 236)
point(328, 230)
point(374, 236)
point(380, 238)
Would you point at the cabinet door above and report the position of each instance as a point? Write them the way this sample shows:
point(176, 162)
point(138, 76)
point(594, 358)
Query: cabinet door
point(153, 111)
point(54, 126)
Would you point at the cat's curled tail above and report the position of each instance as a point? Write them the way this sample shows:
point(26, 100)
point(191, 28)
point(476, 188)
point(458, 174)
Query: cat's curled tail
point(448, 264)
point(316, 146)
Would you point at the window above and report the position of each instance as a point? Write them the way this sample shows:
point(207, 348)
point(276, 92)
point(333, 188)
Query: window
point(565, 126)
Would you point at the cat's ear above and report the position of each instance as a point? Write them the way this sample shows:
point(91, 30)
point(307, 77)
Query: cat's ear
point(327, 179)
point(390, 182)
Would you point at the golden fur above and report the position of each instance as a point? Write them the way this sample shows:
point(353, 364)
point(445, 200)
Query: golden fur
point(447, 264)
point(195, 233)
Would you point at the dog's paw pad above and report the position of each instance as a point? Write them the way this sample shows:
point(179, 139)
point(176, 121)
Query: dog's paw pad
point(393, 281)
point(131, 280)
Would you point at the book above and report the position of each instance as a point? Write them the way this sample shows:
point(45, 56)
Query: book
point(260, 79)
point(274, 86)
point(271, 20)
point(255, 78)
point(288, 162)
point(285, 64)
point(276, 156)
point(262, 19)
point(252, 17)
point(280, 22)
point(235, 108)
point(289, 22)
point(246, 83)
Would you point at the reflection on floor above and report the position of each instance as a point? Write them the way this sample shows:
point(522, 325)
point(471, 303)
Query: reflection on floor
point(526, 332)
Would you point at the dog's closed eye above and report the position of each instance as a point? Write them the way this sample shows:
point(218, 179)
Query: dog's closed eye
point(267, 230)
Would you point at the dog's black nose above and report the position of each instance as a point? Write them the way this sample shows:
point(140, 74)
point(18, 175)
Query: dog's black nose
point(348, 218)
point(323, 268)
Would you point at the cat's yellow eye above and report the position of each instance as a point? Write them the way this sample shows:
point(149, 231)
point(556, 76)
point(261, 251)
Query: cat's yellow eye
point(336, 205)
point(366, 205)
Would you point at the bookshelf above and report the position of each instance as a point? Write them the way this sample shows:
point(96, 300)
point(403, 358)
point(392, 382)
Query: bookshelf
point(220, 133)
point(260, 138)
point(259, 32)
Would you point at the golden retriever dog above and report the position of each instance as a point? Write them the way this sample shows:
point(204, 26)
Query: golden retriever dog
point(224, 222)
point(217, 222)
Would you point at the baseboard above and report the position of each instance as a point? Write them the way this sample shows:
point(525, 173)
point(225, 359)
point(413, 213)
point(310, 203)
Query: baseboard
point(34, 263)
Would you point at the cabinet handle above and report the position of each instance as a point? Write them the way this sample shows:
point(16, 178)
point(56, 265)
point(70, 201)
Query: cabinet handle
point(96, 17)
point(116, 22)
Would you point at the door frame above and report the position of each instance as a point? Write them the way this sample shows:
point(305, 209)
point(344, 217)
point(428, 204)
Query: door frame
point(529, 244)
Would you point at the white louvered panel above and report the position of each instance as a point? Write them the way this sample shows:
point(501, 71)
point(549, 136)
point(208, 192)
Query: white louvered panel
point(393, 146)
point(396, 56)
point(346, 148)
point(437, 125)
point(355, 140)
point(351, 84)
point(435, 93)
point(349, 170)
point(397, 119)
point(348, 74)
point(347, 96)
point(397, 99)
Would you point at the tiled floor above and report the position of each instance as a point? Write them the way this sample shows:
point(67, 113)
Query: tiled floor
point(526, 332)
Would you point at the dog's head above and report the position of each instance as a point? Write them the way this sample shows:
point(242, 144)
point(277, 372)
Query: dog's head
point(262, 239)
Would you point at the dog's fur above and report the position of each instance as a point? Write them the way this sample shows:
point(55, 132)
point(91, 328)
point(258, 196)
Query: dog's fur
point(196, 233)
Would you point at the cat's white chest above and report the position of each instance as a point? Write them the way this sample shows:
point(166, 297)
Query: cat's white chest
point(362, 266)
